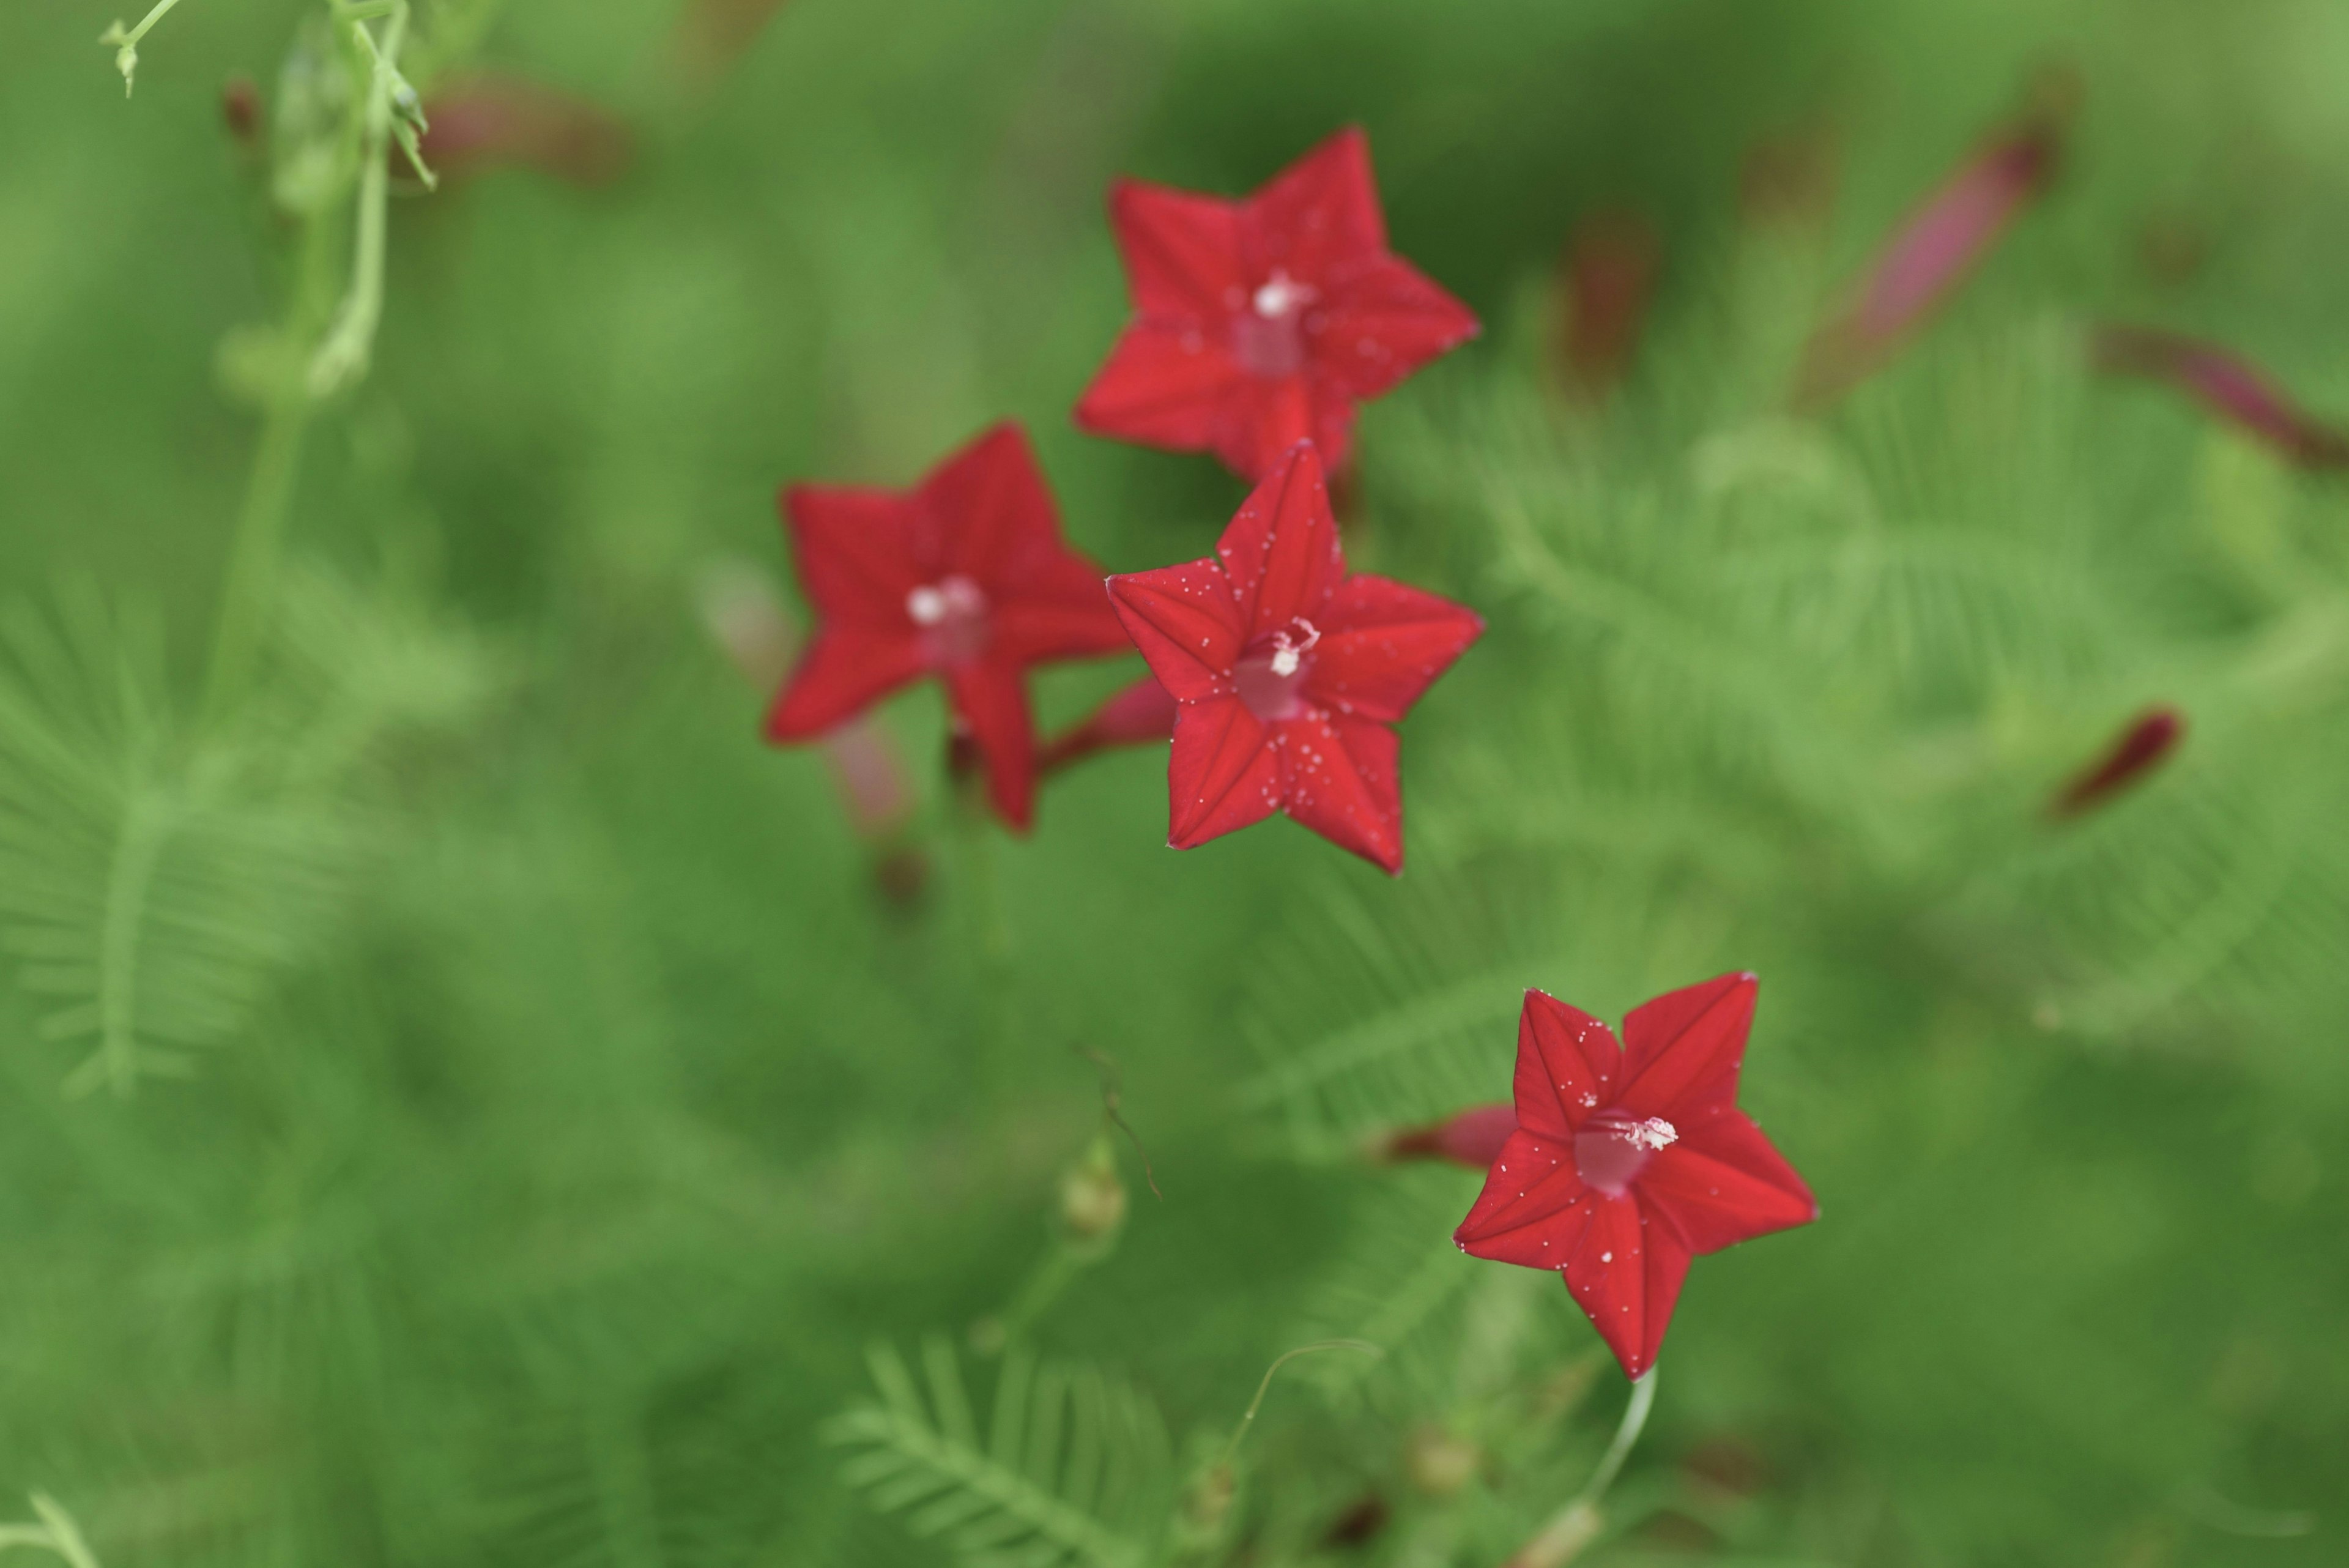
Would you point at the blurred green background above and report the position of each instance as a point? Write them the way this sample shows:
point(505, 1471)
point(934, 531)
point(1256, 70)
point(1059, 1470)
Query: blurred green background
point(559, 1110)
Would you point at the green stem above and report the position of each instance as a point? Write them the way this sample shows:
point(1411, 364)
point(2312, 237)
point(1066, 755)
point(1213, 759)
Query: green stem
point(1247, 1418)
point(343, 356)
point(1578, 1524)
point(986, 920)
point(252, 583)
point(310, 374)
point(1627, 1434)
point(1053, 1274)
point(126, 41)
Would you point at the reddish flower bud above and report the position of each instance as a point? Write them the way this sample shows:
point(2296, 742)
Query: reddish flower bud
point(712, 34)
point(1928, 257)
point(1607, 278)
point(2225, 385)
point(1360, 1524)
point(1472, 1138)
point(1133, 715)
point(500, 122)
point(241, 112)
point(2138, 751)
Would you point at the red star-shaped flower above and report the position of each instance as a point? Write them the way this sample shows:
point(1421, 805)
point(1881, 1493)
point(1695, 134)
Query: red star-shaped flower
point(1626, 1164)
point(1288, 673)
point(1262, 322)
point(965, 576)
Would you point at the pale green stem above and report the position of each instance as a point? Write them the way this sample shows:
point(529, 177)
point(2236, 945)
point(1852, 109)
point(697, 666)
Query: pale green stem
point(343, 356)
point(1578, 1524)
point(126, 41)
point(56, 1533)
point(252, 583)
point(1264, 1388)
point(1627, 1434)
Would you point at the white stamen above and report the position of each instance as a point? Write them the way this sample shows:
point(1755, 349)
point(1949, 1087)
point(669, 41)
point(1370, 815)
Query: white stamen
point(1653, 1133)
point(1280, 295)
point(927, 606)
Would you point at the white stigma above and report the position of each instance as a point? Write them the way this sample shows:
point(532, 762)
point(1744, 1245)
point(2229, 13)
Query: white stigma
point(926, 604)
point(1280, 295)
point(1287, 651)
point(1653, 1133)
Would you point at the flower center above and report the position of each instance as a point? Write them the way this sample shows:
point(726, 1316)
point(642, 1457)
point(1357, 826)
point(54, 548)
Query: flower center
point(1612, 1148)
point(1270, 676)
point(952, 614)
point(1268, 338)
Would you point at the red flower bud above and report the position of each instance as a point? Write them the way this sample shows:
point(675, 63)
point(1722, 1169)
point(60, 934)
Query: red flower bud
point(1360, 1524)
point(1472, 1138)
point(2225, 385)
point(241, 112)
point(713, 34)
point(1607, 276)
point(1132, 716)
point(500, 122)
point(2138, 751)
point(1928, 257)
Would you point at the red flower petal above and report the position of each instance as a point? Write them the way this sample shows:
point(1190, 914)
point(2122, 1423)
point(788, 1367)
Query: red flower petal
point(1182, 250)
point(1533, 1205)
point(1266, 417)
point(1063, 612)
point(1338, 778)
point(1567, 1063)
point(844, 670)
point(1281, 551)
point(1184, 621)
point(1382, 323)
point(853, 548)
point(1222, 774)
point(1383, 643)
point(1683, 1049)
point(966, 575)
point(1626, 1275)
point(1166, 384)
point(985, 512)
point(1632, 1195)
point(1720, 1183)
point(1259, 324)
point(1320, 212)
point(991, 698)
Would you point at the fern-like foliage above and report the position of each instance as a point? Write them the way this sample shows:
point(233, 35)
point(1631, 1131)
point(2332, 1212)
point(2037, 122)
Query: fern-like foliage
point(1374, 1014)
point(1451, 1329)
point(155, 880)
point(1074, 1467)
